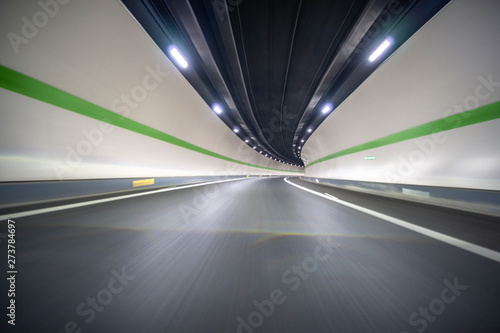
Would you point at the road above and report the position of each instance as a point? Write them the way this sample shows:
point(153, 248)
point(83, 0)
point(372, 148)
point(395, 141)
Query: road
point(254, 255)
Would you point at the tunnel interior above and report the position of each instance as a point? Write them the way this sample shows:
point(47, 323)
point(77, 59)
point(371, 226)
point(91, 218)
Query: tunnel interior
point(250, 166)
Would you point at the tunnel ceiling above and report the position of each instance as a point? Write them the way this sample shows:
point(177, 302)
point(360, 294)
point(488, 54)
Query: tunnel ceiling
point(274, 65)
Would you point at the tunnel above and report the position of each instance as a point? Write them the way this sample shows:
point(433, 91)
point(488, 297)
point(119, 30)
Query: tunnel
point(250, 166)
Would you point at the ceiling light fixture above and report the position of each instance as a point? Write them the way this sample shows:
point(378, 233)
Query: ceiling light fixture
point(378, 52)
point(327, 108)
point(309, 130)
point(236, 130)
point(217, 108)
point(178, 57)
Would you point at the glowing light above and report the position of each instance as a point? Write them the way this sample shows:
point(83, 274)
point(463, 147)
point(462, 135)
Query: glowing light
point(217, 108)
point(327, 108)
point(378, 52)
point(178, 57)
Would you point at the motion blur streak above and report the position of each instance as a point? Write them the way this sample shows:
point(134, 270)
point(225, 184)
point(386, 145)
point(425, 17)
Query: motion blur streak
point(261, 256)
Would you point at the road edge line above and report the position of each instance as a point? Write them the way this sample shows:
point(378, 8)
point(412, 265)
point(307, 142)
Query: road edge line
point(464, 245)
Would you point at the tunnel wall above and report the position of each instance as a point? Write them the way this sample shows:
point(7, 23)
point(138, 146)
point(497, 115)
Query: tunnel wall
point(428, 115)
point(86, 94)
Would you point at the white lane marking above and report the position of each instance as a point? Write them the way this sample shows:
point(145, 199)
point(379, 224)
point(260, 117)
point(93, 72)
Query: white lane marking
point(476, 249)
point(94, 202)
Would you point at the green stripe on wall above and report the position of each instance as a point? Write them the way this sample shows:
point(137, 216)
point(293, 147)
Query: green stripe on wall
point(25, 85)
point(471, 117)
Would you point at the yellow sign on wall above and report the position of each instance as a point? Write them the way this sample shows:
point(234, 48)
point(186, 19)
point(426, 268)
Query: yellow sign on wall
point(143, 182)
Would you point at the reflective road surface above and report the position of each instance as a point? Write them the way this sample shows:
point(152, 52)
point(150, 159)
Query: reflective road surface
point(253, 255)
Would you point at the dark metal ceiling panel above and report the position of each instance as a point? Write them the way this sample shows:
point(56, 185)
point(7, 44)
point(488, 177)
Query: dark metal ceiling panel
point(273, 64)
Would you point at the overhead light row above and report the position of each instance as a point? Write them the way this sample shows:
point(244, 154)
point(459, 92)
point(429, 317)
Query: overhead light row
point(181, 61)
point(217, 108)
point(274, 158)
point(328, 107)
point(268, 155)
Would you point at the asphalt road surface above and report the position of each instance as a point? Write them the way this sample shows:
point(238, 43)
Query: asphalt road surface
point(254, 255)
